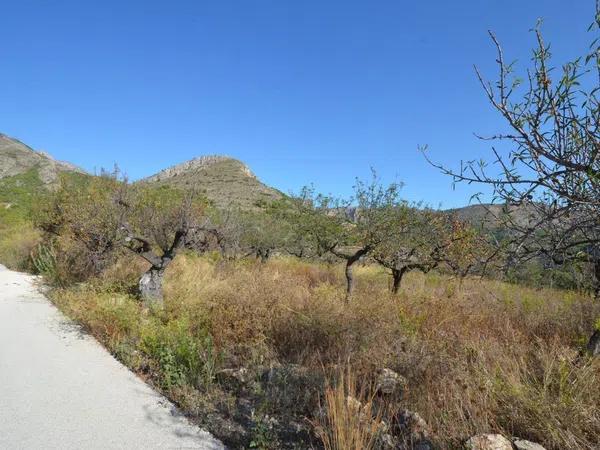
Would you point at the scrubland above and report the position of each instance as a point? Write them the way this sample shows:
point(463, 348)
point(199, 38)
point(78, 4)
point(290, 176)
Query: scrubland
point(255, 352)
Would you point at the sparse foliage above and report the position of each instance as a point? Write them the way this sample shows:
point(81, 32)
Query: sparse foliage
point(93, 219)
point(551, 165)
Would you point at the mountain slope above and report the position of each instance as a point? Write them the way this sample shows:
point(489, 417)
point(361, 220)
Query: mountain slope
point(17, 158)
point(492, 216)
point(25, 174)
point(223, 180)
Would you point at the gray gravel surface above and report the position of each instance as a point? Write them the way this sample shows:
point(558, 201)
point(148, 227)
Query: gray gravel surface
point(59, 389)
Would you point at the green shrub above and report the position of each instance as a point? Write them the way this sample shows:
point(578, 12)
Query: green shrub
point(183, 357)
point(44, 262)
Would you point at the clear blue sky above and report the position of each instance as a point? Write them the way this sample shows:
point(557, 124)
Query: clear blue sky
point(302, 91)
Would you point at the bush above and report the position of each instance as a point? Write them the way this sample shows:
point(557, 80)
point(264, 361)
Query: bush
point(184, 355)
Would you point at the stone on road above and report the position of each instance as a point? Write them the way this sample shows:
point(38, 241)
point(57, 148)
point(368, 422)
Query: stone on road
point(59, 389)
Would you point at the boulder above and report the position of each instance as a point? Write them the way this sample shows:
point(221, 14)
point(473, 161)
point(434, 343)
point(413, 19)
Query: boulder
point(389, 382)
point(233, 378)
point(522, 444)
point(414, 431)
point(413, 424)
point(423, 444)
point(593, 346)
point(386, 442)
point(488, 442)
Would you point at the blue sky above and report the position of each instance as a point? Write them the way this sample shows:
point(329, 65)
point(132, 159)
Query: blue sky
point(302, 91)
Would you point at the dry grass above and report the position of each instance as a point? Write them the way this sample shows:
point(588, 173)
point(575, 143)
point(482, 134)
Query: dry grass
point(350, 422)
point(16, 244)
point(483, 357)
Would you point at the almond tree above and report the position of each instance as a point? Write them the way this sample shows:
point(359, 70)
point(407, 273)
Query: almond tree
point(262, 234)
point(157, 223)
point(463, 248)
point(101, 215)
point(549, 160)
point(348, 229)
point(410, 243)
point(423, 239)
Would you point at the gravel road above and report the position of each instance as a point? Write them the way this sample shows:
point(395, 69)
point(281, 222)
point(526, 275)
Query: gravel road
point(59, 389)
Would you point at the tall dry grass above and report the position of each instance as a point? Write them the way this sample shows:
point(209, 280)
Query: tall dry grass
point(350, 420)
point(16, 244)
point(483, 356)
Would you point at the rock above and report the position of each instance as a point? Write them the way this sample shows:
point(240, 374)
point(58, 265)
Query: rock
point(353, 404)
point(488, 442)
point(233, 378)
point(412, 423)
point(593, 346)
point(389, 382)
point(414, 431)
point(522, 444)
point(423, 444)
point(292, 388)
point(386, 441)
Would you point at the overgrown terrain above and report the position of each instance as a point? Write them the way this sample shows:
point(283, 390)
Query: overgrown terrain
point(247, 349)
point(308, 321)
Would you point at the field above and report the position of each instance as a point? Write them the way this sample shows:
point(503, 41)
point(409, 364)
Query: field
point(271, 355)
point(249, 349)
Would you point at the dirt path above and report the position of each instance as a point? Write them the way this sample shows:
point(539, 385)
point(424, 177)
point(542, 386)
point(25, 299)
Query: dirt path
point(59, 389)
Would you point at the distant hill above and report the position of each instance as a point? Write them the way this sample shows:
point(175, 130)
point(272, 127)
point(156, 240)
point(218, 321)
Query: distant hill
point(478, 214)
point(17, 158)
point(24, 175)
point(223, 180)
point(489, 216)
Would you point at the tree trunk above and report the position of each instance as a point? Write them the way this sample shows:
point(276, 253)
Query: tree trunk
point(350, 260)
point(593, 346)
point(397, 275)
point(150, 286)
point(265, 254)
point(597, 280)
point(349, 279)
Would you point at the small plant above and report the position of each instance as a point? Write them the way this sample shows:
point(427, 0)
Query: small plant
point(43, 259)
point(182, 357)
point(172, 372)
point(208, 362)
point(263, 435)
point(350, 422)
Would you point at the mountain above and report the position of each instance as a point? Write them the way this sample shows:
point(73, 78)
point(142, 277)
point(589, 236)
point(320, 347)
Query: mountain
point(223, 180)
point(17, 158)
point(25, 174)
point(490, 216)
point(484, 214)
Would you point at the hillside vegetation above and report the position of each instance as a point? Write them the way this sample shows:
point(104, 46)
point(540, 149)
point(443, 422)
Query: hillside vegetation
point(276, 351)
point(224, 181)
point(18, 237)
